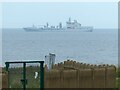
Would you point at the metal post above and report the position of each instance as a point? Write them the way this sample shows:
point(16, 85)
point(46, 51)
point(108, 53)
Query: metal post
point(7, 69)
point(41, 76)
point(24, 76)
point(8, 79)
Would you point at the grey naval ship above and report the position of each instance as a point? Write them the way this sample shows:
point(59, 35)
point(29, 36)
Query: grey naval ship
point(70, 26)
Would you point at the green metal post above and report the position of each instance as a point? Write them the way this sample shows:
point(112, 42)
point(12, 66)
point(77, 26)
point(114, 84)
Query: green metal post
point(8, 79)
point(7, 69)
point(24, 76)
point(41, 76)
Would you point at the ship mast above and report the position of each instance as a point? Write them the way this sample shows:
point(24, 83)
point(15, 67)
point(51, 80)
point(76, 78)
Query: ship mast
point(47, 24)
point(69, 19)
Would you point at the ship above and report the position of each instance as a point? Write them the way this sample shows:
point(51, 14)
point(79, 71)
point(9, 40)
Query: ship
point(70, 26)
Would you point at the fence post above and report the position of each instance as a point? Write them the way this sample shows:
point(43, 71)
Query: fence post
point(41, 76)
point(7, 69)
point(24, 76)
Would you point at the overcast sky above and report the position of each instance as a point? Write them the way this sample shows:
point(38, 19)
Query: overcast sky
point(97, 14)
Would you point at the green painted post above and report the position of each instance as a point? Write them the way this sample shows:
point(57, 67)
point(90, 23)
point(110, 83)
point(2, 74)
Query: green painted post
point(41, 76)
point(7, 69)
point(24, 76)
point(8, 79)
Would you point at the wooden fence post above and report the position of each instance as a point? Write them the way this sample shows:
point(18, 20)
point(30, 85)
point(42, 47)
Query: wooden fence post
point(110, 77)
point(85, 78)
point(99, 78)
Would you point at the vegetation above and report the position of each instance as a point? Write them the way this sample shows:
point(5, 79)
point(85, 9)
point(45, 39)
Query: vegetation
point(118, 77)
point(16, 75)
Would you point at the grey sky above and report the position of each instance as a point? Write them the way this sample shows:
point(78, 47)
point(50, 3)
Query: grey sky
point(97, 14)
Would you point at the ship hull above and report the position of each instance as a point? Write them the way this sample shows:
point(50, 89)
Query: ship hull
point(63, 29)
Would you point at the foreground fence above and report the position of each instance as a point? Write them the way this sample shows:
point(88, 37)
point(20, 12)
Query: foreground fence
point(71, 74)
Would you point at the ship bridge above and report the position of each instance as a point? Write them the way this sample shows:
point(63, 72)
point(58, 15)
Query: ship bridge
point(72, 24)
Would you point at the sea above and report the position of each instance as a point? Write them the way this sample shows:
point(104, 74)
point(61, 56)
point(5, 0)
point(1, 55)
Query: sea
point(97, 47)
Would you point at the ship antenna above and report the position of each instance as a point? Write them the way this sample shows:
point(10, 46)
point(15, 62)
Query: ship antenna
point(69, 19)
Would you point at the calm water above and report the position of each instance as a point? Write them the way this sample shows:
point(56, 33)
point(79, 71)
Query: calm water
point(97, 47)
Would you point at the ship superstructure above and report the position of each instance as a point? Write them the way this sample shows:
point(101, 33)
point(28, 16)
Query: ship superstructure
point(70, 25)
